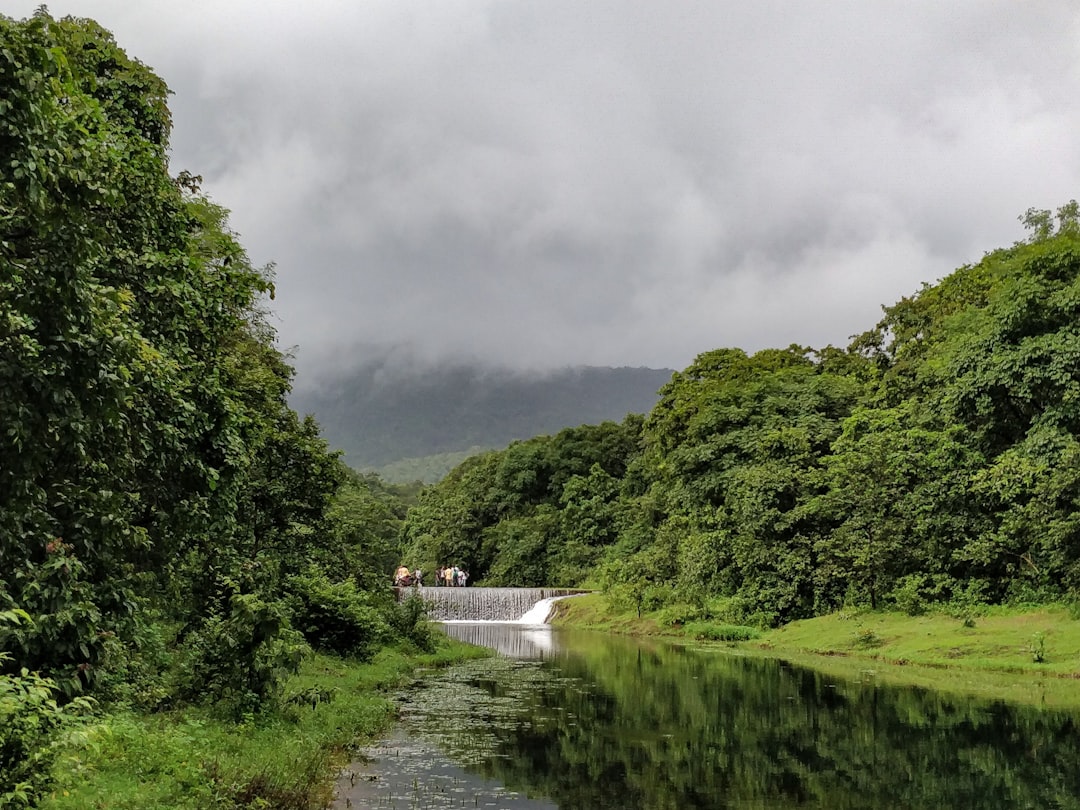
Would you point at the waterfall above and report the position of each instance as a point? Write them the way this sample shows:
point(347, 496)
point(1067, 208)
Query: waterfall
point(488, 604)
point(539, 613)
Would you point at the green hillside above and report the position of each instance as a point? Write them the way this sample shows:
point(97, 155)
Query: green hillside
point(426, 469)
point(379, 416)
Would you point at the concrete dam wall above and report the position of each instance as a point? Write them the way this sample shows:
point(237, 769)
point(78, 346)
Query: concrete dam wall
point(486, 604)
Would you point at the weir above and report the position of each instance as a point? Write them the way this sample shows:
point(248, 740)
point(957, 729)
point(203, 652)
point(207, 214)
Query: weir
point(484, 604)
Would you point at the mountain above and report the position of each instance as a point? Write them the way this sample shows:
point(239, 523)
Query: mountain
point(378, 417)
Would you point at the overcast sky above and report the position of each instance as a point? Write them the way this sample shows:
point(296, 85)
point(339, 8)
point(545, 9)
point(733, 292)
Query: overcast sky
point(546, 183)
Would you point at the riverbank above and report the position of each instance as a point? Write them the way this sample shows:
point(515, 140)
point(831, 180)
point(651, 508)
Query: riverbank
point(286, 758)
point(1031, 655)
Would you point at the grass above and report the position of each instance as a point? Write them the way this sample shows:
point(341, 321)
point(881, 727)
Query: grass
point(1028, 655)
point(593, 611)
point(284, 759)
point(1041, 690)
point(1003, 640)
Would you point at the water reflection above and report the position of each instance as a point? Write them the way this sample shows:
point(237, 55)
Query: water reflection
point(590, 721)
point(506, 639)
point(407, 770)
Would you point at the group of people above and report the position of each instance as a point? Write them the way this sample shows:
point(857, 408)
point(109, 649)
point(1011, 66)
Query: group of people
point(451, 577)
point(404, 578)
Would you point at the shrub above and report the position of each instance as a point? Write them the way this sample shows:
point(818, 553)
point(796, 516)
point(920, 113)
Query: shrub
point(679, 614)
point(30, 725)
point(1037, 648)
point(64, 641)
point(867, 639)
point(133, 673)
point(908, 594)
point(241, 660)
point(1022, 593)
point(336, 617)
point(29, 721)
point(969, 601)
point(409, 621)
point(1072, 605)
point(721, 632)
point(622, 596)
point(915, 593)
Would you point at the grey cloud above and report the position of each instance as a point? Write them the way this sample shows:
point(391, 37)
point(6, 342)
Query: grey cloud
point(610, 182)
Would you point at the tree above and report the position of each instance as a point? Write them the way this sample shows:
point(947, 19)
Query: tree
point(148, 448)
point(84, 248)
point(897, 493)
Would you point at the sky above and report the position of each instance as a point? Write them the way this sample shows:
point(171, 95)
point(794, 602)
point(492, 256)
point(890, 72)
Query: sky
point(542, 184)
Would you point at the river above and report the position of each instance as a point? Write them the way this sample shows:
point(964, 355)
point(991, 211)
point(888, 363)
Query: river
point(585, 721)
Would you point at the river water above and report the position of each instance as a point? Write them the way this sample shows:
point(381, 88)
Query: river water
point(581, 721)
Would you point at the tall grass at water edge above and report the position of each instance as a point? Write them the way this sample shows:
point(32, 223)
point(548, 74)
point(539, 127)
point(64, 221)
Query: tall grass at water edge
point(284, 758)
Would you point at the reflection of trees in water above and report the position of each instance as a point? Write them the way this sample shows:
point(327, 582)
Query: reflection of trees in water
point(612, 724)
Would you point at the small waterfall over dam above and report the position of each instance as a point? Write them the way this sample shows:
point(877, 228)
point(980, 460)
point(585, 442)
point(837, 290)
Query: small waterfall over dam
point(483, 604)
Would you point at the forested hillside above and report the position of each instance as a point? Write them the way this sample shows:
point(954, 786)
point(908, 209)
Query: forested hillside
point(379, 414)
point(933, 461)
point(170, 531)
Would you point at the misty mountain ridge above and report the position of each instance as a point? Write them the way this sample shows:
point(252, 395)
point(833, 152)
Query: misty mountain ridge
point(378, 417)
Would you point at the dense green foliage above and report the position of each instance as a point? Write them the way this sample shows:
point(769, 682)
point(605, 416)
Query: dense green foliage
point(29, 719)
point(935, 460)
point(385, 411)
point(170, 530)
point(534, 513)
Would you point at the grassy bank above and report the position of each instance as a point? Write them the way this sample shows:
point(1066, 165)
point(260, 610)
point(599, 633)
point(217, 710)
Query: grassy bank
point(1038, 640)
point(1030, 655)
point(594, 612)
point(283, 759)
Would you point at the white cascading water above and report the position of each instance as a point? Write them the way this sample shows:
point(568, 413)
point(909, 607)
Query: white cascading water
point(541, 611)
point(520, 605)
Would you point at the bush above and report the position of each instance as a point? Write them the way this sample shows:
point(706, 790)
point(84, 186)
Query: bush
point(1022, 593)
point(241, 660)
point(30, 725)
point(29, 721)
point(336, 617)
point(721, 632)
point(740, 610)
point(679, 614)
point(1037, 648)
point(915, 593)
point(65, 639)
point(908, 595)
point(866, 640)
point(969, 601)
point(409, 620)
point(134, 673)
